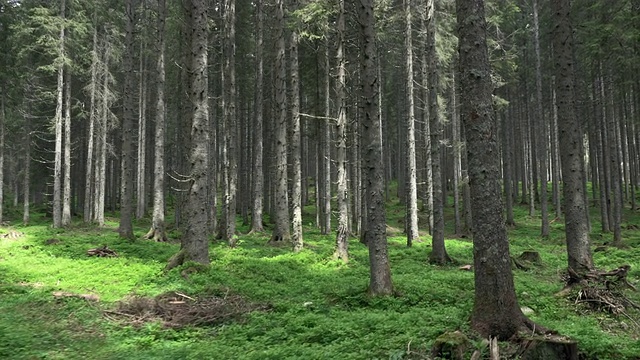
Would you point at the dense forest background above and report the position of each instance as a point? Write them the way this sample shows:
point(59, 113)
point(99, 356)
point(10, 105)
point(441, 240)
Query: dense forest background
point(219, 114)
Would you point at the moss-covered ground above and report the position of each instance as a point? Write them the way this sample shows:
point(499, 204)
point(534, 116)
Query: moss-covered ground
point(318, 306)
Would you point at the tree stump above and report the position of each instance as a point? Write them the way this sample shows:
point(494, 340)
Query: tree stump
point(451, 345)
point(549, 348)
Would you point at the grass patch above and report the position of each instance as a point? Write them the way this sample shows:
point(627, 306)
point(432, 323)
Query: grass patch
point(317, 307)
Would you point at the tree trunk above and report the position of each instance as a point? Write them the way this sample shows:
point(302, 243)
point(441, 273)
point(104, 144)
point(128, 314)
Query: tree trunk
point(195, 240)
point(325, 148)
point(2, 124)
point(342, 232)
point(570, 137)
point(281, 230)
point(296, 186)
point(375, 236)
point(612, 140)
point(411, 191)
point(438, 251)
point(126, 187)
point(26, 182)
point(541, 128)
point(258, 173)
point(427, 201)
point(157, 231)
point(89, 184)
point(66, 184)
point(141, 185)
point(57, 170)
point(495, 311)
point(555, 157)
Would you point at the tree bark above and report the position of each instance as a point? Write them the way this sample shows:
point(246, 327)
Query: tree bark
point(157, 231)
point(495, 311)
point(195, 240)
point(570, 137)
point(296, 165)
point(342, 232)
point(375, 237)
point(411, 191)
point(258, 173)
point(281, 230)
point(66, 183)
point(57, 169)
point(438, 251)
point(127, 176)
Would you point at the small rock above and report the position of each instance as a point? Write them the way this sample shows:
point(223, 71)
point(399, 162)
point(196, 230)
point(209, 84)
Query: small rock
point(527, 310)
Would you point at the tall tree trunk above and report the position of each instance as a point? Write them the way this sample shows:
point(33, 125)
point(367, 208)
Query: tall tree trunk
point(231, 119)
point(296, 166)
point(375, 236)
point(101, 136)
point(157, 231)
point(258, 173)
point(281, 230)
point(570, 136)
point(2, 125)
point(555, 157)
point(141, 185)
point(614, 159)
point(541, 127)
point(427, 201)
point(26, 177)
point(438, 251)
point(93, 112)
point(325, 146)
point(342, 231)
point(128, 113)
point(412, 186)
point(495, 311)
point(57, 167)
point(457, 164)
point(195, 240)
point(66, 184)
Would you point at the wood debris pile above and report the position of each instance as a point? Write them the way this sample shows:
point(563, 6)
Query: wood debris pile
point(102, 252)
point(604, 290)
point(176, 310)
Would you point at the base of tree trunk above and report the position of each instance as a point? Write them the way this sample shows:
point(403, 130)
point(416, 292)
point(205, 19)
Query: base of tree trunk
point(451, 345)
point(176, 260)
point(526, 260)
point(553, 347)
point(156, 235)
point(444, 260)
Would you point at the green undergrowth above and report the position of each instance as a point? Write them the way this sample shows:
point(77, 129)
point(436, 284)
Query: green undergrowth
point(317, 307)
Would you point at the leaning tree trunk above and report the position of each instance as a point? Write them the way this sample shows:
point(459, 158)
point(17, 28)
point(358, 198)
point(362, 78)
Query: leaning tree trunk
point(195, 240)
point(375, 236)
point(411, 191)
point(438, 251)
point(281, 214)
point(570, 137)
point(128, 113)
point(157, 231)
point(342, 231)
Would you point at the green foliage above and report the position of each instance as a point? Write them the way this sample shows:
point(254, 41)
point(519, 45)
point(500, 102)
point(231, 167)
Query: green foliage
point(319, 308)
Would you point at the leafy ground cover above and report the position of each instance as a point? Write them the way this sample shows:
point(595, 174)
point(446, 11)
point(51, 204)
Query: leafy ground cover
point(307, 306)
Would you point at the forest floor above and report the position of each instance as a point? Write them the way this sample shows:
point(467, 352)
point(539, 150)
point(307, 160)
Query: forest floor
point(257, 301)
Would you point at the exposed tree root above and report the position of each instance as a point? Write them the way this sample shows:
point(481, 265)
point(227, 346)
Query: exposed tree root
point(176, 260)
point(102, 252)
point(156, 235)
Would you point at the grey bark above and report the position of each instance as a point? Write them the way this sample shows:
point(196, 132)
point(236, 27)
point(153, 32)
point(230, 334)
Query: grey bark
point(541, 135)
point(375, 237)
point(281, 230)
point(495, 311)
point(157, 231)
point(342, 232)
point(427, 201)
point(57, 169)
point(93, 113)
point(128, 114)
point(325, 148)
point(570, 137)
point(411, 191)
point(296, 165)
point(438, 251)
point(195, 240)
point(66, 181)
point(258, 173)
